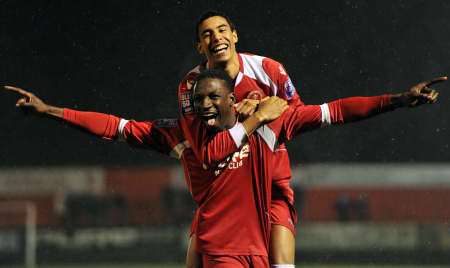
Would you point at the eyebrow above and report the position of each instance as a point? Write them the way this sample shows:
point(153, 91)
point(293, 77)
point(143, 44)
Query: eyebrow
point(220, 26)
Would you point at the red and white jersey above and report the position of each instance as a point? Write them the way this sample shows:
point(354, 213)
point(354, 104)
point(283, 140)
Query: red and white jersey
point(233, 200)
point(162, 135)
point(234, 217)
point(258, 77)
point(299, 119)
point(234, 197)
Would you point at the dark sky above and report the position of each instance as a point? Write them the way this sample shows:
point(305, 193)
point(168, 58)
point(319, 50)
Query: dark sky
point(126, 58)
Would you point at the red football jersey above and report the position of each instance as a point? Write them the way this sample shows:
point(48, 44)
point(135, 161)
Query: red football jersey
point(234, 197)
point(234, 219)
point(258, 77)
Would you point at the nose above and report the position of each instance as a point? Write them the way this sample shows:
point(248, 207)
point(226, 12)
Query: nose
point(204, 104)
point(216, 37)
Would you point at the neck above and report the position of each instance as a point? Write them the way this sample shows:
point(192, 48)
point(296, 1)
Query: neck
point(232, 121)
point(231, 67)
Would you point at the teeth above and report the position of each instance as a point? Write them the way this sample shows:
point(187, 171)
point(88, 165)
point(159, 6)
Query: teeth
point(209, 116)
point(220, 47)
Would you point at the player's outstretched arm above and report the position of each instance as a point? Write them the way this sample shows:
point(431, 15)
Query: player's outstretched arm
point(102, 125)
point(32, 102)
point(164, 138)
point(353, 109)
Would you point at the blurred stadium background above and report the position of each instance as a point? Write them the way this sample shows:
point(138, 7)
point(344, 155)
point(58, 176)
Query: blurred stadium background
point(369, 194)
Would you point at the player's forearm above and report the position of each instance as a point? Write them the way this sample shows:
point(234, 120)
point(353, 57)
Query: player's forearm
point(400, 100)
point(269, 109)
point(54, 111)
point(99, 124)
point(341, 111)
point(225, 143)
point(253, 122)
point(358, 108)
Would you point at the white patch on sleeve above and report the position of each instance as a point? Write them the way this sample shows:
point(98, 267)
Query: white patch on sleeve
point(268, 136)
point(326, 117)
point(122, 124)
point(238, 134)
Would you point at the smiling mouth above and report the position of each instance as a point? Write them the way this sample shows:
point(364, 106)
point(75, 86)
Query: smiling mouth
point(219, 49)
point(209, 119)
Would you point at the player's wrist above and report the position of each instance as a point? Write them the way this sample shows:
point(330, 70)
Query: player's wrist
point(53, 111)
point(400, 100)
point(259, 116)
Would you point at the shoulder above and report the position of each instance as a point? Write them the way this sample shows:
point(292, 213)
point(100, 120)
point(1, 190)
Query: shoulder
point(262, 63)
point(189, 77)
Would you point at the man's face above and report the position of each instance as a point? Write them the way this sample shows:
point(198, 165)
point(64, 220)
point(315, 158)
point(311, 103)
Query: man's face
point(214, 103)
point(216, 40)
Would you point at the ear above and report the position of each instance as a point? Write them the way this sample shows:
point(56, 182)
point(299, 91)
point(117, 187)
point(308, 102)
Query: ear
point(235, 36)
point(198, 47)
point(232, 98)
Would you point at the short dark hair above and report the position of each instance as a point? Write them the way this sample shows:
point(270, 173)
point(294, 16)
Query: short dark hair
point(212, 13)
point(215, 74)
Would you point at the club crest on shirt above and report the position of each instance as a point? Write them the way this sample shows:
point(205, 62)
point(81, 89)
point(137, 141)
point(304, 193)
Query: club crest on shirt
point(234, 161)
point(289, 89)
point(255, 95)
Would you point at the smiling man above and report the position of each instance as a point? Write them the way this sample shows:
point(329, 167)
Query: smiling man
point(213, 101)
point(238, 231)
point(254, 77)
point(234, 195)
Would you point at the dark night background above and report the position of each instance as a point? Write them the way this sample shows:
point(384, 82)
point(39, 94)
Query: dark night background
point(126, 58)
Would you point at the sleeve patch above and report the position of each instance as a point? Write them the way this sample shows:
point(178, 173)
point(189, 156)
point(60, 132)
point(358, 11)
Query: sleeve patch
point(186, 102)
point(166, 123)
point(289, 89)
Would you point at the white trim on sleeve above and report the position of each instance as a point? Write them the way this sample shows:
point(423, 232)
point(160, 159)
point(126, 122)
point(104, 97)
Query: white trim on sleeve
point(268, 136)
point(326, 117)
point(238, 134)
point(122, 124)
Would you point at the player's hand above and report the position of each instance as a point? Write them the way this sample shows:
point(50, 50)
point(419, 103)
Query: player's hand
point(245, 108)
point(29, 100)
point(422, 93)
point(271, 108)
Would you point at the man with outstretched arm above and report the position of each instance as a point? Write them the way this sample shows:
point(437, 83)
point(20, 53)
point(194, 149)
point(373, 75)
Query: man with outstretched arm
point(165, 137)
point(223, 235)
point(212, 95)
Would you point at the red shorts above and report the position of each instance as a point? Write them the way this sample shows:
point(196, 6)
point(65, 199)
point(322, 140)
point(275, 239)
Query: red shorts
point(283, 213)
point(238, 261)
